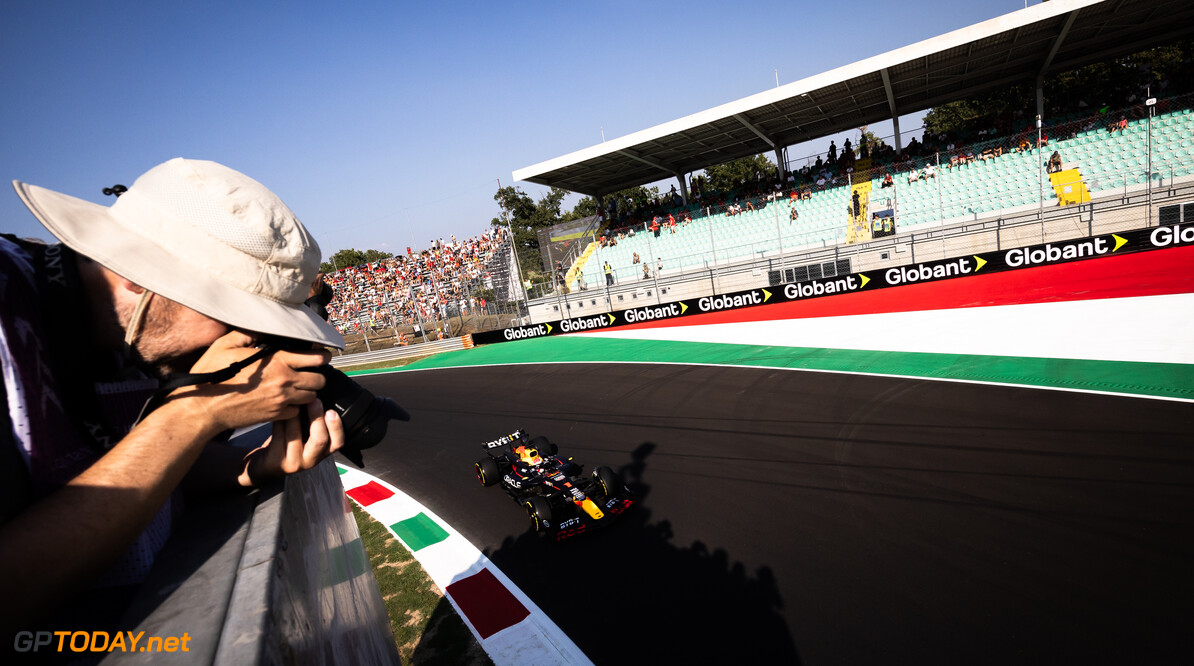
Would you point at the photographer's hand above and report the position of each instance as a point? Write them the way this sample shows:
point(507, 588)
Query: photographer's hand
point(286, 451)
point(272, 389)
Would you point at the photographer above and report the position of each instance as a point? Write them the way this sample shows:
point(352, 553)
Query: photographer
point(187, 271)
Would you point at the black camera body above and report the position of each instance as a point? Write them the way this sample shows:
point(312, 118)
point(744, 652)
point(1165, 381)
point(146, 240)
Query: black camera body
point(364, 415)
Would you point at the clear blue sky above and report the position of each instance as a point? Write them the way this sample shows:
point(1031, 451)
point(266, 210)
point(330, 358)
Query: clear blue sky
point(387, 124)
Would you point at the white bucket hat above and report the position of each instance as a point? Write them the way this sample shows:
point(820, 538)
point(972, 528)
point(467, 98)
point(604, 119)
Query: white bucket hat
point(202, 235)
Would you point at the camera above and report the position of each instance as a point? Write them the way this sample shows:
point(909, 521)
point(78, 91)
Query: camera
point(364, 415)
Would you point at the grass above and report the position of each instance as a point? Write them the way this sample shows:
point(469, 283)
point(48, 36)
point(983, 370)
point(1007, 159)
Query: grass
point(426, 627)
point(398, 362)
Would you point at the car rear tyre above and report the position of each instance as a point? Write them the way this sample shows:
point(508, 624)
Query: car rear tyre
point(539, 513)
point(608, 479)
point(488, 472)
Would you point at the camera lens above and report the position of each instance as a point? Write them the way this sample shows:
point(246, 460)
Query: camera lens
point(364, 415)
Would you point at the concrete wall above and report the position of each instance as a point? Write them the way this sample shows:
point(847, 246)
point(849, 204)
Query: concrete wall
point(275, 576)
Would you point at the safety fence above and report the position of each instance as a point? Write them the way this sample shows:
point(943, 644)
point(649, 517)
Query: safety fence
point(400, 352)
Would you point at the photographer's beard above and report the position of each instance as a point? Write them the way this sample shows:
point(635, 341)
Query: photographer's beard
point(167, 337)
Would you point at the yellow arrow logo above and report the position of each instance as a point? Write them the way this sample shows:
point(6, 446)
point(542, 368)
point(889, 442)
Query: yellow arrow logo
point(865, 279)
point(766, 295)
point(981, 262)
point(612, 319)
point(683, 307)
point(1119, 241)
point(549, 328)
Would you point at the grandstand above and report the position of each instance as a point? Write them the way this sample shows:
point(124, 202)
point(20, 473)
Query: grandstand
point(925, 190)
point(424, 291)
point(1025, 47)
point(1010, 183)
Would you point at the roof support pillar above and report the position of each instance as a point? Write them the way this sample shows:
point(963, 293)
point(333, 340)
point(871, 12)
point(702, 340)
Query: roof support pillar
point(683, 187)
point(1040, 77)
point(891, 107)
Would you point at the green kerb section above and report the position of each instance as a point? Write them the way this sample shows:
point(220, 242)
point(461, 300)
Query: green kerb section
point(419, 532)
point(1169, 380)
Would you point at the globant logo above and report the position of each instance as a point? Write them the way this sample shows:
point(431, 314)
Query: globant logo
point(1050, 253)
point(521, 333)
point(1163, 236)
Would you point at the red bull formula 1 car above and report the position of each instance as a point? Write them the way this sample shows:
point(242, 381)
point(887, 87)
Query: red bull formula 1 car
point(559, 501)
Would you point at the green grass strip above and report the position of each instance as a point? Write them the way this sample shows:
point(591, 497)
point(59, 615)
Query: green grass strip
point(426, 627)
point(1168, 380)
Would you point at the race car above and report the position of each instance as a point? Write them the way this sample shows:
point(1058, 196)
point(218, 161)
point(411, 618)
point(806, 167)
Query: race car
point(558, 499)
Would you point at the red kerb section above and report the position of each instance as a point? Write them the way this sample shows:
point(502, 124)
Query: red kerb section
point(369, 493)
point(486, 603)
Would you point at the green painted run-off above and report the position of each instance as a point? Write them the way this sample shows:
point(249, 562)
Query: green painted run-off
point(1169, 380)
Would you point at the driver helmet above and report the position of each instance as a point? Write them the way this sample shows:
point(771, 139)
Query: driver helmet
point(529, 455)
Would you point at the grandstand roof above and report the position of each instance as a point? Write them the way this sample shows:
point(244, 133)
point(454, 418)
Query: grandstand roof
point(1014, 48)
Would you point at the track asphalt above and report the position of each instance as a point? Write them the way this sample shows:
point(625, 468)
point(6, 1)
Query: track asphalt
point(816, 517)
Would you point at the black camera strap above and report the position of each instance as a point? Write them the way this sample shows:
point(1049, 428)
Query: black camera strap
point(175, 382)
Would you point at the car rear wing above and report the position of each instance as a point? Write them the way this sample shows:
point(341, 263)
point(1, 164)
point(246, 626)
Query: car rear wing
point(504, 440)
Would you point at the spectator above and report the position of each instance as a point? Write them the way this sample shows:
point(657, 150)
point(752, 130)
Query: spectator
point(658, 265)
point(1054, 165)
point(66, 484)
point(887, 181)
point(646, 272)
point(794, 215)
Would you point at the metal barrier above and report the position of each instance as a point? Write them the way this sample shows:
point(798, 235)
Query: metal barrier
point(407, 351)
point(276, 576)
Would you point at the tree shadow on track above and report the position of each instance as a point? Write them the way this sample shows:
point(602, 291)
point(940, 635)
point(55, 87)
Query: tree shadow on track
point(627, 594)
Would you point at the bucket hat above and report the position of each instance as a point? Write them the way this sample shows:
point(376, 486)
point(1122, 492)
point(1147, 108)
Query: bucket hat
point(205, 236)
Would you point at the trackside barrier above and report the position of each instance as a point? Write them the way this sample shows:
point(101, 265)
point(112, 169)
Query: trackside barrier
point(277, 576)
point(424, 349)
point(1077, 249)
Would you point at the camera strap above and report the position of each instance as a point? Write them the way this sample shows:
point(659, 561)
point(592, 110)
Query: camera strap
point(175, 382)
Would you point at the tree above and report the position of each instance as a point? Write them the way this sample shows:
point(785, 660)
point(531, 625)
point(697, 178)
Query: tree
point(631, 199)
point(869, 139)
point(352, 257)
point(734, 174)
point(527, 217)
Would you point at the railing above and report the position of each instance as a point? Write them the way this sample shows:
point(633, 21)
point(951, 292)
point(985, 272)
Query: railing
point(276, 576)
point(409, 351)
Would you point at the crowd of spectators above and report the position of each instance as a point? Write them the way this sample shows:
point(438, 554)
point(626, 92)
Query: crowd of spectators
point(982, 138)
point(419, 286)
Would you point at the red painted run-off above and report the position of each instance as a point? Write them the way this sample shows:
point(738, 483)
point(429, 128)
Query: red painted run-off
point(1155, 273)
point(487, 604)
point(369, 493)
